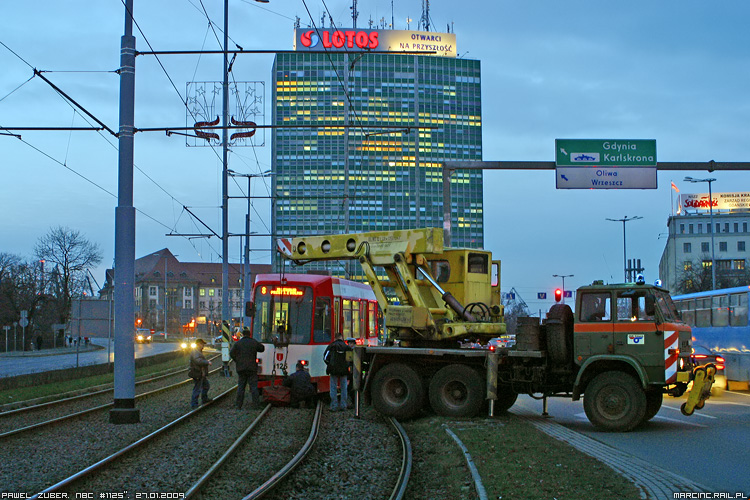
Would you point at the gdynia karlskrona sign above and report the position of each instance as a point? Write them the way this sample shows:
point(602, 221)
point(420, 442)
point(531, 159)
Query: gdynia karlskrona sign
point(605, 152)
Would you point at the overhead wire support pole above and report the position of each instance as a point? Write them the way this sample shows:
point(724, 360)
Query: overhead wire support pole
point(225, 314)
point(124, 411)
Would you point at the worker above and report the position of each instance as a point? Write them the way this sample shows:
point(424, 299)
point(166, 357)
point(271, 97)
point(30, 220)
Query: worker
point(338, 368)
point(301, 388)
point(199, 372)
point(245, 353)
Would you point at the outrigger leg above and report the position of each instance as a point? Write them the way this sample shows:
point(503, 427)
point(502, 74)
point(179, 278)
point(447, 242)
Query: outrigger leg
point(703, 379)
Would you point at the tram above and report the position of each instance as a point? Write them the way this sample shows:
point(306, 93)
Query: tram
point(719, 318)
point(296, 316)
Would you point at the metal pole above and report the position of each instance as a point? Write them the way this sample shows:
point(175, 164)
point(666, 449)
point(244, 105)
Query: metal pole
point(78, 340)
point(225, 314)
point(711, 216)
point(246, 276)
point(165, 296)
point(124, 411)
point(624, 251)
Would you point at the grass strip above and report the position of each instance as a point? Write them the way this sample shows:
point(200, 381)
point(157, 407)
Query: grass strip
point(514, 459)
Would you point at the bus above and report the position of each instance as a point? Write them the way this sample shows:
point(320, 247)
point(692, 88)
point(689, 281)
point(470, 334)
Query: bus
point(296, 316)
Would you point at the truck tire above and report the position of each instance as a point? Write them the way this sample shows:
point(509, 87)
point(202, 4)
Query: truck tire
point(456, 391)
point(397, 391)
point(654, 399)
point(559, 329)
point(614, 401)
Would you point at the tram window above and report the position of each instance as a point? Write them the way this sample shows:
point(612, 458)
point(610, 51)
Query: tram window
point(322, 320)
point(738, 309)
point(720, 310)
point(347, 318)
point(477, 263)
point(372, 320)
point(356, 331)
point(300, 317)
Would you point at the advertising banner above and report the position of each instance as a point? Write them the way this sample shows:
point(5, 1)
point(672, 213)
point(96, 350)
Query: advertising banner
point(359, 40)
point(721, 201)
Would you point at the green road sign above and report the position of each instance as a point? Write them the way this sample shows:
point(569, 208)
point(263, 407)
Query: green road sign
point(605, 152)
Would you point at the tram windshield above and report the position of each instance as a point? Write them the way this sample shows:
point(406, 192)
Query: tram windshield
point(283, 314)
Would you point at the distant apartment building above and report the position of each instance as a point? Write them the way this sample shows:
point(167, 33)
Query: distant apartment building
point(361, 129)
point(193, 293)
point(691, 231)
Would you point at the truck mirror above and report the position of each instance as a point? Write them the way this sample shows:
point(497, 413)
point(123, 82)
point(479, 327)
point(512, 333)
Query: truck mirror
point(250, 309)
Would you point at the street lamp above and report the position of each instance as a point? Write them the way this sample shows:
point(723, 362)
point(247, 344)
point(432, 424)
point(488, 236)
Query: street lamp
point(246, 267)
point(624, 246)
point(563, 276)
point(711, 218)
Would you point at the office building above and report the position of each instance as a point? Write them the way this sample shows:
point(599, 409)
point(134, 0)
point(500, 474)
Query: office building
point(391, 118)
point(690, 238)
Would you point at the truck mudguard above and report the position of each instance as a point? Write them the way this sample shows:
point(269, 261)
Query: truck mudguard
point(608, 359)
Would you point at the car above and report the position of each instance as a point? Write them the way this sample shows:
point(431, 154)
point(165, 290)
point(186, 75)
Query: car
point(703, 355)
point(143, 336)
point(504, 341)
point(187, 344)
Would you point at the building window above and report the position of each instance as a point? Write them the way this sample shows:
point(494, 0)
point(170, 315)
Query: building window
point(202, 292)
point(690, 228)
point(726, 227)
point(687, 265)
point(202, 304)
point(152, 291)
point(152, 303)
point(738, 264)
point(211, 292)
point(188, 304)
point(736, 227)
point(188, 292)
point(744, 227)
point(706, 264)
point(682, 228)
point(700, 228)
point(718, 228)
point(740, 246)
point(723, 265)
point(722, 246)
point(686, 247)
point(704, 247)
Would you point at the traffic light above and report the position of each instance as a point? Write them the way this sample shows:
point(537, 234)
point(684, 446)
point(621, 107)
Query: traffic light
point(558, 294)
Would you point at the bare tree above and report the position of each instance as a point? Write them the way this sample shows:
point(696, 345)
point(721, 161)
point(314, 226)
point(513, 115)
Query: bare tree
point(696, 277)
point(73, 255)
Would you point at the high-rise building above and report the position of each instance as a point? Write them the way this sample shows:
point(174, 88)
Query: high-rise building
point(401, 103)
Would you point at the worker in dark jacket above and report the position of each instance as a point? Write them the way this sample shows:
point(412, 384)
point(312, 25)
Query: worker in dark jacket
point(301, 388)
point(338, 368)
point(199, 373)
point(245, 353)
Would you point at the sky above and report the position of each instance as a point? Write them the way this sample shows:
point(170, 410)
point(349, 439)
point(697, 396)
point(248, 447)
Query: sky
point(674, 71)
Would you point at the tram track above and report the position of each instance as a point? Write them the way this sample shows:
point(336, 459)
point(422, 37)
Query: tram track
point(46, 414)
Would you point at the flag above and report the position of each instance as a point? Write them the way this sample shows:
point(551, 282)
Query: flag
point(675, 187)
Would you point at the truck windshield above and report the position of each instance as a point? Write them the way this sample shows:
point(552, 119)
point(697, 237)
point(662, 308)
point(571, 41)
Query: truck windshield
point(667, 307)
point(283, 314)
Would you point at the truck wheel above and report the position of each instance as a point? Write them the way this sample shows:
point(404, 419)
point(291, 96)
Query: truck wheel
point(614, 401)
point(653, 404)
point(559, 328)
point(456, 391)
point(397, 391)
point(505, 400)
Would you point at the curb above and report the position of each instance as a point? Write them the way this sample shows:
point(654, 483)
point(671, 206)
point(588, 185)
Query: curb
point(654, 482)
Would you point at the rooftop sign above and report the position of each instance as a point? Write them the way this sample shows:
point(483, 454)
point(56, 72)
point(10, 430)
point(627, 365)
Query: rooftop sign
point(359, 40)
point(721, 201)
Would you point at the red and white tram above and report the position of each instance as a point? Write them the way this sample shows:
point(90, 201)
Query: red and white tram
point(297, 315)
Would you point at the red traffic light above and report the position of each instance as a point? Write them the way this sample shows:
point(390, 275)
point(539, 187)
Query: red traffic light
point(558, 294)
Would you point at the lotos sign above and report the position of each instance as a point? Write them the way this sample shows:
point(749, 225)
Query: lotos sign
point(430, 43)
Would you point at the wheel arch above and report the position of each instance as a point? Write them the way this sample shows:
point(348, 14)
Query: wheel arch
point(595, 365)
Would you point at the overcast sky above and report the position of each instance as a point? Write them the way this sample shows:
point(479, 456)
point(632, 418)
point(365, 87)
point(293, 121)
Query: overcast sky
point(674, 71)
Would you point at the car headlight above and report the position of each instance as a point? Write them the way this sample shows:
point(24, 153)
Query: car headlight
point(183, 345)
point(193, 345)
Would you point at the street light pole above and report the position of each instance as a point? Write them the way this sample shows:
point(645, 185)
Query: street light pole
point(624, 245)
point(563, 276)
point(711, 219)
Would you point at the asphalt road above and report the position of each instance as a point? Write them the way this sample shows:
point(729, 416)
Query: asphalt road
point(711, 447)
point(13, 364)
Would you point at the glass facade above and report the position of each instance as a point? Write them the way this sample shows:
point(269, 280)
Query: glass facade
point(372, 173)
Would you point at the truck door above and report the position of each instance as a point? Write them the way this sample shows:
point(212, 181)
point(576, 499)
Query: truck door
point(594, 326)
point(636, 332)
